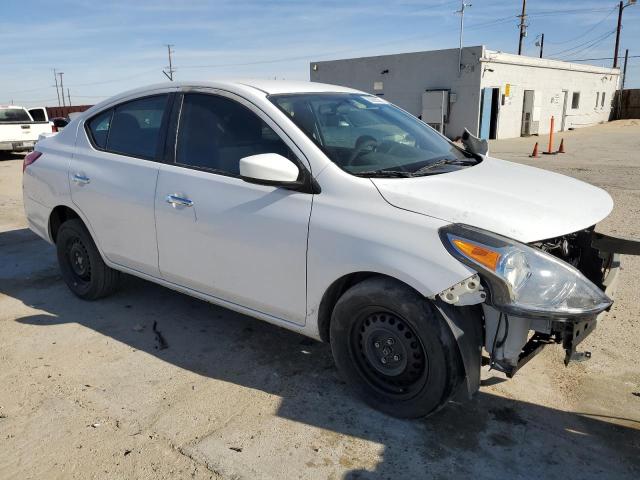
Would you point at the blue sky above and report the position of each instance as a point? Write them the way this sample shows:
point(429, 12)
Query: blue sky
point(104, 47)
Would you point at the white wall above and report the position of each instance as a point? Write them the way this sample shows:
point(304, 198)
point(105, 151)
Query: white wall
point(410, 74)
point(548, 79)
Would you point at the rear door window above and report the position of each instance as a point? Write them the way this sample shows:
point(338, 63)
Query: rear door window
point(216, 132)
point(134, 129)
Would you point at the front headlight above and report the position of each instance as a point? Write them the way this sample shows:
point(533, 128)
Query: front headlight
point(523, 280)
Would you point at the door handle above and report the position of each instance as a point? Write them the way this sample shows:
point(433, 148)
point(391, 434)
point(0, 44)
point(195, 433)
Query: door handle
point(177, 200)
point(81, 179)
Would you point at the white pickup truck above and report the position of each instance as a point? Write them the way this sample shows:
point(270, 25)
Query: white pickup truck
point(18, 131)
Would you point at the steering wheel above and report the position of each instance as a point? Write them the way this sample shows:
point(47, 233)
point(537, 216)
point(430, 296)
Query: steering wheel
point(362, 143)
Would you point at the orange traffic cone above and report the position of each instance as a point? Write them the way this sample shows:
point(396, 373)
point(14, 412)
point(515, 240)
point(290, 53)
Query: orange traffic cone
point(561, 149)
point(534, 154)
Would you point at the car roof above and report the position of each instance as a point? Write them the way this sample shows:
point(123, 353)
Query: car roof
point(266, 87)
point(293, 86)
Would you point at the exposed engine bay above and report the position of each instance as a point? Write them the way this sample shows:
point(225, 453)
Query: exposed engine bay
point(577, 249)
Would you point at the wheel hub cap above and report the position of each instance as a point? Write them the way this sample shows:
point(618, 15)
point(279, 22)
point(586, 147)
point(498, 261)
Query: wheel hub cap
point(385, 350)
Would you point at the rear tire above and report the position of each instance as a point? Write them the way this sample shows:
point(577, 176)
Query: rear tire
point(81, 265)
point(394, 349)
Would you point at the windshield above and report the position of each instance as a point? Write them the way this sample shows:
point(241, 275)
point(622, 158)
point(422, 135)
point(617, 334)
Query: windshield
point(14, 115)
point(367, 136)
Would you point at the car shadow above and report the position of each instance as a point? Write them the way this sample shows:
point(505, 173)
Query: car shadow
point(486, 438)
point(4, 155)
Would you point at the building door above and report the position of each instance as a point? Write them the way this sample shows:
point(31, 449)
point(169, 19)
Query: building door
point(527, 113)
point(564, 110)
point(489, 102)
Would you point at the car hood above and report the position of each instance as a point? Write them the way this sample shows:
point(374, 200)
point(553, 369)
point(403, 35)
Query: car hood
point(524, 203)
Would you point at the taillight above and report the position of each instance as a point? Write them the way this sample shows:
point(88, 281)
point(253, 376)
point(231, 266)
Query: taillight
point(54, 129)
point(29, 159)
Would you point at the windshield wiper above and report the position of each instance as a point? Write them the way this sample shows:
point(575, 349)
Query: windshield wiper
point(439, 163)
point(383, 173)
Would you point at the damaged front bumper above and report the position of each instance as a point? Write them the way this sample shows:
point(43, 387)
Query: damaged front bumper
point(516, 345)
point(512, 341)
point(575, 332)
point(570, 333)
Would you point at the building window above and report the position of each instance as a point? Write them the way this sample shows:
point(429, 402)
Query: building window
point(602, 104)
point(597, 99)
point(575, 100)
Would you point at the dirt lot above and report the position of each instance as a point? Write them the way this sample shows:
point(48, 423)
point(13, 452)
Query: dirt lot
point(87, 392)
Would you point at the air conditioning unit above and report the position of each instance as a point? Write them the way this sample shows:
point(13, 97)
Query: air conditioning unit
point(435, 108)
point(535, 127)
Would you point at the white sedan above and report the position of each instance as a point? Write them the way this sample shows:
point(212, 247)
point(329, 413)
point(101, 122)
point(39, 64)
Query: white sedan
point(330, 212)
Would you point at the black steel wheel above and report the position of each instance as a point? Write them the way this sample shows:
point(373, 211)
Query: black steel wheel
point(81, 265)
point(78, 257)
point(389, 353)
point(394, 349)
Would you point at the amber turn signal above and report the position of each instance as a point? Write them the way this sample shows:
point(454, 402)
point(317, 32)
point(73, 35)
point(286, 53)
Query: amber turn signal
point(482, 255)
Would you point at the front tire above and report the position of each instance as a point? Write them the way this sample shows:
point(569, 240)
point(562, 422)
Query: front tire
point(394, 349)
point(81, 265)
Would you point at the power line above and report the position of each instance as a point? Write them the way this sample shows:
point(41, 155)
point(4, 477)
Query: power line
point(113, 80)
point(315, 55)
point(35, 101)
point(338, 52)
point(590, 46)
point(596, 25)
point(436, 5)
point(546, 13)
point(575, 47)
point(492, 23)
point(600, 58)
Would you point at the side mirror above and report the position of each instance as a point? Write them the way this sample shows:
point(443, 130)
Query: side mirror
point(269, 169)
point(474, 144)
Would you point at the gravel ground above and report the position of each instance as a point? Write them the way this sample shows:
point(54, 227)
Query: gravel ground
point(87, 392)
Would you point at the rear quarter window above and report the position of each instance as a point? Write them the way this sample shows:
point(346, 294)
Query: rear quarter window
point(131, 128)
point(99, 128)
point(135, 127)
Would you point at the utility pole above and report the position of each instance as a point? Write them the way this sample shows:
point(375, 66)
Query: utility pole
point(523, 25)
point(61, 87)
point(541, 44)
point(69, 96)
point(615, 50)
point(621, 7)
point(169, 74)
point(618, 110)
point(463, 6)
point(624, 69)
point(55, 78)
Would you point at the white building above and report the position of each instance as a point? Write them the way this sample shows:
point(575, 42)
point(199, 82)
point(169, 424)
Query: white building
point(493, 94)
